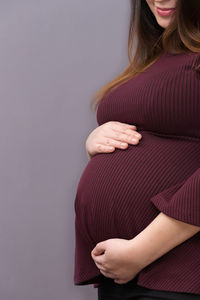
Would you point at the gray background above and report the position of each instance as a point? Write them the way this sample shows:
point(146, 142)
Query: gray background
point(54, 55)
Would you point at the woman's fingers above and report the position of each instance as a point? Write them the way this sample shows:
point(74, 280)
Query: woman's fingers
point(120, 141)
point(110, 146)
point(111, 135)
point(132, 132)
point(128, 133)
point(101, 148)
point(103, 270)
point(115, 143)
point(125, 138)
point(116, 139)
point(100, 267)
point(119, 125)
point(107, 274)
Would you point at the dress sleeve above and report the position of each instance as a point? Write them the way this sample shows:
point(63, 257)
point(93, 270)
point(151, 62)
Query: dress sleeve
point(181, 201)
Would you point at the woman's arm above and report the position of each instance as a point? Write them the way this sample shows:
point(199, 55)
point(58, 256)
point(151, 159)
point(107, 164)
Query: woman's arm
point(160, 236)
point(123, 259)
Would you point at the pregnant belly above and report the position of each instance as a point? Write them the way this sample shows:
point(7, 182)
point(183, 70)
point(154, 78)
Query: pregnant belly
point(115, 189)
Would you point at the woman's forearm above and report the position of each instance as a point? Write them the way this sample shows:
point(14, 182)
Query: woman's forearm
point(160, 236)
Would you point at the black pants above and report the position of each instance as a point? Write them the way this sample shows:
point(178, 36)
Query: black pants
point(109, 290)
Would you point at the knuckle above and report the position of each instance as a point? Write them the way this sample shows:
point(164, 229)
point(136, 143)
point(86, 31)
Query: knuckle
point(108, 142)
point(112, 147)
point(99, 148)
point(117, 135)
point(109, 123)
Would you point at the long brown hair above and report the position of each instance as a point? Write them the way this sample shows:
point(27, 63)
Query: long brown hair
point(150, 39)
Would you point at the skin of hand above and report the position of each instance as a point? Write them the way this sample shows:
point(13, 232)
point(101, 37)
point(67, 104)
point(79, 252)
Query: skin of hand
point(114, 258)
point(122, 259)
point(109, 136)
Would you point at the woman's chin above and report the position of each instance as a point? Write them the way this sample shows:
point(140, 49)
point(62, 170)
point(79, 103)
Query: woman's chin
point(163, 22)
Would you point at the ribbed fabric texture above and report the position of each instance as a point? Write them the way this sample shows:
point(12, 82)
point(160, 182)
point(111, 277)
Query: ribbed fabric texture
point(120, 193)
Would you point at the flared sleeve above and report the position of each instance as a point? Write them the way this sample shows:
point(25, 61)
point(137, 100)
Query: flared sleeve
point(181, 201)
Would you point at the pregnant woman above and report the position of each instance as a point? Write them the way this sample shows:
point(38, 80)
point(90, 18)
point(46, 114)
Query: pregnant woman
point(138, 200)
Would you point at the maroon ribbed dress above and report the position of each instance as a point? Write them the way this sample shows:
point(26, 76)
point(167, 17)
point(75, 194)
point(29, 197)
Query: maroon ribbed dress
point(120, 193)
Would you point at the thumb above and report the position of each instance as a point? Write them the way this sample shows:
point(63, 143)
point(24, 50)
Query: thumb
point(99, 249)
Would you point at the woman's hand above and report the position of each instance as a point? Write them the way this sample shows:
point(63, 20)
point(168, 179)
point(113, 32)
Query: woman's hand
point(105, 138)
point(115, 258)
